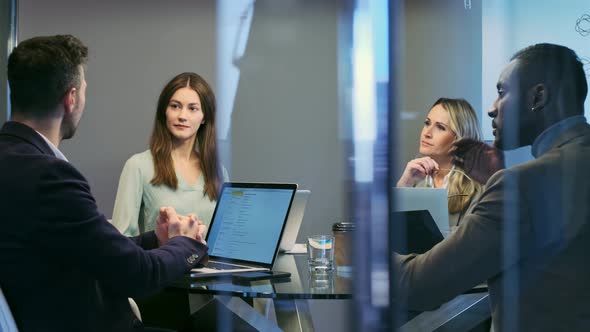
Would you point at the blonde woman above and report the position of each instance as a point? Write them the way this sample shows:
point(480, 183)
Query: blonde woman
point(448, 121)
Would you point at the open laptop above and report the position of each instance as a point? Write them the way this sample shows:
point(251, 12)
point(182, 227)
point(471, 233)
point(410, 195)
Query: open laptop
point(246, 227)
point(418, 230)
point(294, 220)
point(434, 200)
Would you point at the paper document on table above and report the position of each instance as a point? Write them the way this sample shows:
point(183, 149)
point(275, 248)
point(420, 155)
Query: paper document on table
point(298, 248)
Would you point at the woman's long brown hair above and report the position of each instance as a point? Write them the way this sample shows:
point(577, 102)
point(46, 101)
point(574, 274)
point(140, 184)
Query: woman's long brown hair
point(206, 138)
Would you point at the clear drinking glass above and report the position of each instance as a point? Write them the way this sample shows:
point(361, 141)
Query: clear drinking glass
point(320, 250)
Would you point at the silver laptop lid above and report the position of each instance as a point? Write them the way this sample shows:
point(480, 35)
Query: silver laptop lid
point(433, 200)
point(248, 222)
point(294, 220)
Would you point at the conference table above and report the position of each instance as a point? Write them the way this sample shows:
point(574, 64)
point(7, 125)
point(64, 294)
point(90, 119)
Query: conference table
point(218, 304)
point(269, 305)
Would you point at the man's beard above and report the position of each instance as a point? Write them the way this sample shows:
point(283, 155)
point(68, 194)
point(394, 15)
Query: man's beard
point(68, 127)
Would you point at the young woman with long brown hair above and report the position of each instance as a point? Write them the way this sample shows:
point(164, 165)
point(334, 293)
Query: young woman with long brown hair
point(181, 169)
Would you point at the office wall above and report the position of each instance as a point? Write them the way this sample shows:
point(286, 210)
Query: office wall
point(442, 58)
point(509, 26)
point(285, 119)
point(135, 47)
point(285, 123)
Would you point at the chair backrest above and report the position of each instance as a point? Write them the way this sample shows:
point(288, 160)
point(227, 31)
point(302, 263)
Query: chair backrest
point(7, 323)
point(134, 308)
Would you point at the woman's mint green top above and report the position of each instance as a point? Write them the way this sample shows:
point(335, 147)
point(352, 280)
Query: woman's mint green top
point(138, 202)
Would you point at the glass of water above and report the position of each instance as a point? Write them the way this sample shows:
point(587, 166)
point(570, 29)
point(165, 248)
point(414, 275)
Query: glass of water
point(320, 250)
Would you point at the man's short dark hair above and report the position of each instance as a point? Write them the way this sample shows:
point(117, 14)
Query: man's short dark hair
point(558, 65)
point(41, 70)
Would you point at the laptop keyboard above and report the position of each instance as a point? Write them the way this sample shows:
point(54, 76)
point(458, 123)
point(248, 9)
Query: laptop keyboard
point(220, 266)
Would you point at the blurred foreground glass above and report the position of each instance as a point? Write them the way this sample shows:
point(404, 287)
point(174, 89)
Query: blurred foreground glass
point(369, 131)
point(320, 249)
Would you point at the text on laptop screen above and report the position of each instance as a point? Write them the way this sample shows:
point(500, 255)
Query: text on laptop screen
point(248, 223)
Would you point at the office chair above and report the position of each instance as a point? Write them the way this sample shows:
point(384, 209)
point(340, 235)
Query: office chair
point(7, 323)
point(134, 308)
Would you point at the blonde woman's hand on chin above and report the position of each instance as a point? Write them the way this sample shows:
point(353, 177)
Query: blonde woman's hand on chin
point(416, 170)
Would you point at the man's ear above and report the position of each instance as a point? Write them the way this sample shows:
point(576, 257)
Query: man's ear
point(539, 97)
point(70, 100)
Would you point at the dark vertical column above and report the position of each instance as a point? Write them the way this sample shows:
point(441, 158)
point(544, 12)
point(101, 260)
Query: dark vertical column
point(396, 59)
point(8, 37)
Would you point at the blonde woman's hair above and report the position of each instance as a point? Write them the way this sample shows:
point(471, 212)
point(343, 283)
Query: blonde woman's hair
point(463, 122)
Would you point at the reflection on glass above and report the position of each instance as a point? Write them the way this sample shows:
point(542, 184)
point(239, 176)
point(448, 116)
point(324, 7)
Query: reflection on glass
point(321, 283)
point(370, 130)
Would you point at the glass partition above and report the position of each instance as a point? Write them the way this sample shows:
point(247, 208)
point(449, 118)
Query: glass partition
point(8, 34)
point(337, 96)
point(495, 258)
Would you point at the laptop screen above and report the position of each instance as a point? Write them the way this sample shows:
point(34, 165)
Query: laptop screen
point(248, 221)
point(421, 233)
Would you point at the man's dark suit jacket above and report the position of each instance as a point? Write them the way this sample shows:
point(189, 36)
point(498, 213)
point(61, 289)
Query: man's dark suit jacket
point(63, 266)
point(529, 236)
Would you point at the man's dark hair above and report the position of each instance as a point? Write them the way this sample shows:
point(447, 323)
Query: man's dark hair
point(41, 70)
point(558, 66)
